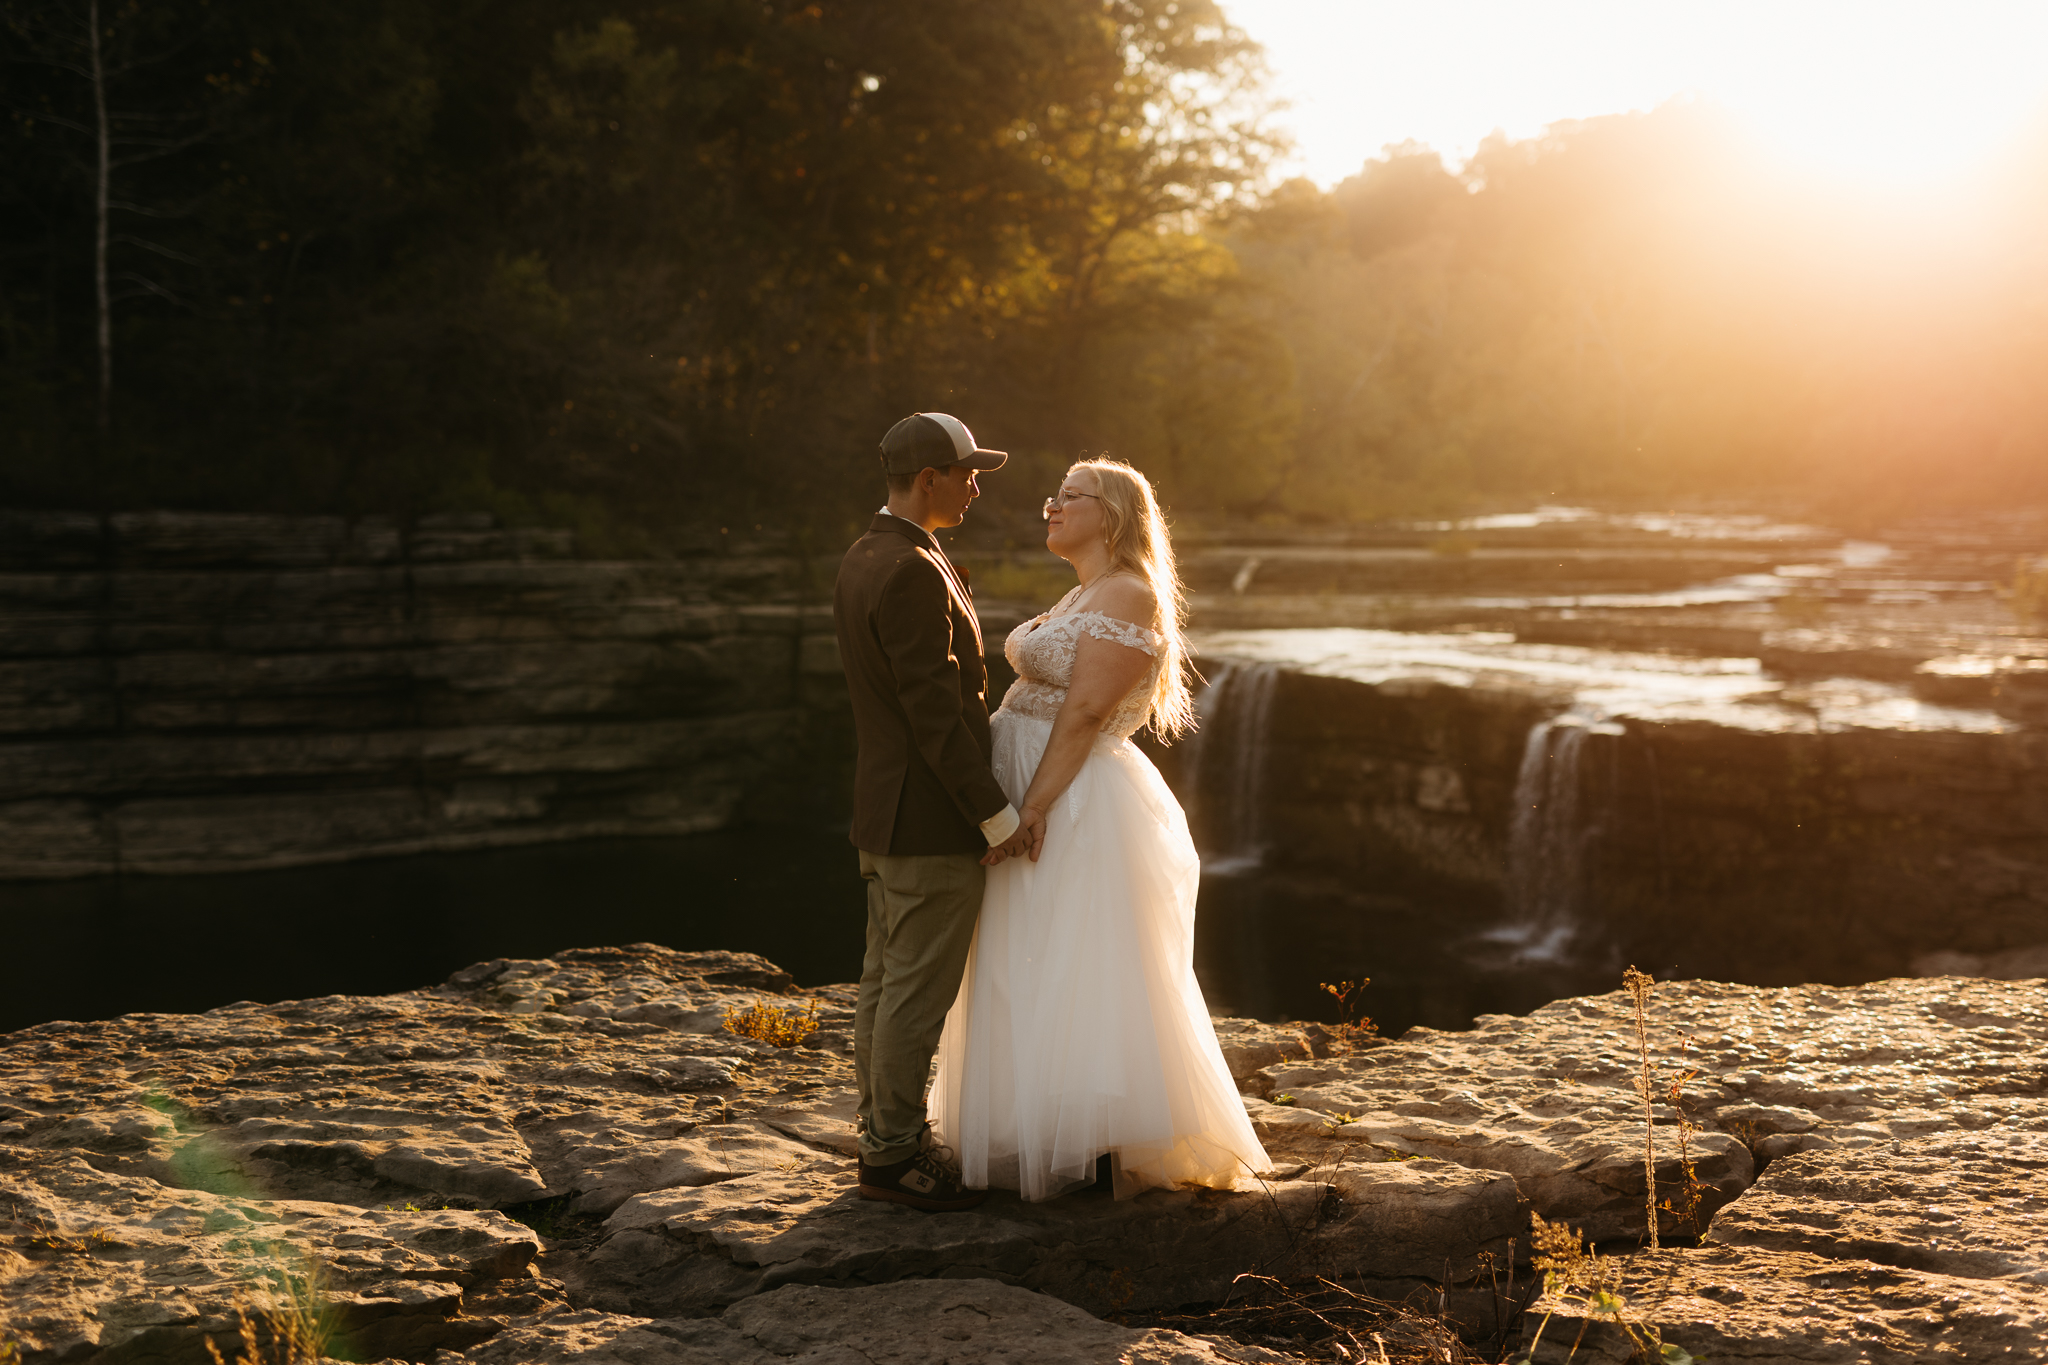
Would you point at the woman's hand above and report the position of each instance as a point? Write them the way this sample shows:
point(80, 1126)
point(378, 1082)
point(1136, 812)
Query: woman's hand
point(1030, 835)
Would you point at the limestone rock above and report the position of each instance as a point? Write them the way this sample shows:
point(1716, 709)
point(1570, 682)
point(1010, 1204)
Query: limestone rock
point(1765, 1307)
point(614, 1167)
point(677, 1171)
point(125, 1264)
point(916, 1322)
point(694, 1250)
point(1968, 1204)
point(1922, 1249)
point(1250, 1046)
point(1546, 1098)
point(192, 692)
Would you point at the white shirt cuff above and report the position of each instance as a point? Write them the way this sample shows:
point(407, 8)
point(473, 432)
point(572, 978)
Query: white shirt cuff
point(999, 827)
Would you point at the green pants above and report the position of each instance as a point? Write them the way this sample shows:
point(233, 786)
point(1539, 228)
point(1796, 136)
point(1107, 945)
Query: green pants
point(921, 914)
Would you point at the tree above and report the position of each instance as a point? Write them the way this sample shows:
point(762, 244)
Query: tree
point(111, 53)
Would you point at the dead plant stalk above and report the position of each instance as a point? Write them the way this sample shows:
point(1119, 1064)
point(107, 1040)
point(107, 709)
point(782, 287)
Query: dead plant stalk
point(1638, 985)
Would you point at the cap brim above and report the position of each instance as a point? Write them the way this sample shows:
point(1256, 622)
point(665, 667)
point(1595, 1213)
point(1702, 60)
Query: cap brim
point(984, 459)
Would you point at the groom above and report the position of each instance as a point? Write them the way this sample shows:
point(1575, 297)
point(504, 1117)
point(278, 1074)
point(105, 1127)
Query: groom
point(927, 811)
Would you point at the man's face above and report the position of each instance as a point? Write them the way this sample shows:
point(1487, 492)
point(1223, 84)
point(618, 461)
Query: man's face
point(952, 489)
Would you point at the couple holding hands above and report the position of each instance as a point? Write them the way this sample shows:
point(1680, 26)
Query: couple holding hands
point(1030, 879)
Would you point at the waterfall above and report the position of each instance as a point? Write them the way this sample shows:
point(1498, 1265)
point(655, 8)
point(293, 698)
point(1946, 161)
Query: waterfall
point(1549, 837)
point(1226, 770)
point(1229, 764)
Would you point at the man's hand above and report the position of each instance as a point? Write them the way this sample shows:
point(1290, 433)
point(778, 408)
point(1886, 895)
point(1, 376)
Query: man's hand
point(995, 855)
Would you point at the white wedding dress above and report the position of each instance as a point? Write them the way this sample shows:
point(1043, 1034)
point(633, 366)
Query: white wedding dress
point(1079, 1029)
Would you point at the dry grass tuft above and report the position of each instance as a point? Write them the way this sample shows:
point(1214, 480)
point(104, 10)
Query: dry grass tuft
point(289, 1322)
point(1322, 1320)
point(772, 1023)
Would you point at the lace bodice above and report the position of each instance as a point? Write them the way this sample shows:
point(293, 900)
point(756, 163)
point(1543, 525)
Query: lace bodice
point(1042, 652)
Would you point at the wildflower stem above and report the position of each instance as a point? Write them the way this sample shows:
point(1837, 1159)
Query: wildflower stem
point(1638, 984)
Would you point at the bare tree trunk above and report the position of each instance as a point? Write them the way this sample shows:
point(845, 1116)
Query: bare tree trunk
point(99, 259)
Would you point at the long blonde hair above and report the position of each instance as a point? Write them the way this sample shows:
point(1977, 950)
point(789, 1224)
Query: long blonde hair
point(1138, 544)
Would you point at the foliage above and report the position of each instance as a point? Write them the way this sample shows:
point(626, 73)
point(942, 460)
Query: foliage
point(647, 266)
point(1354, 1028)
point(1041, 579)
point(1647, 306)
point(1687, 1203)
point(289, 1323)
point(2027, 594)
point(772, 1023)
point(1577, 1276)
point(553, 250)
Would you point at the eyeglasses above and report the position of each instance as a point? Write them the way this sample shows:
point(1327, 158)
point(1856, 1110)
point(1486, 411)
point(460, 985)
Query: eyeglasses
point(1061, 499)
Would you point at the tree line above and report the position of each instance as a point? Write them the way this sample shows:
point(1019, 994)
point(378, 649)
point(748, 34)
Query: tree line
point(650, 268)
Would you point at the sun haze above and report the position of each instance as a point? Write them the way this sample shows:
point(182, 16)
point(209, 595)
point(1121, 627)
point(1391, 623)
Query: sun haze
point(1884, 94)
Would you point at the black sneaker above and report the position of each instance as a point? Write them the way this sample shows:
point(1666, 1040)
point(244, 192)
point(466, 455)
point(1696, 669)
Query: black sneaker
point(926, 1181)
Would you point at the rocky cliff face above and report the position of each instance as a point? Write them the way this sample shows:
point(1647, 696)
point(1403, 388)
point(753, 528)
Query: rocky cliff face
point(571, 1159)
point(1835, 831)
point(187, 692)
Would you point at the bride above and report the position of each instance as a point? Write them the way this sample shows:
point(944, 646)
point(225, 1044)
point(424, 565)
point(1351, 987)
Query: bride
point(1079, 1031)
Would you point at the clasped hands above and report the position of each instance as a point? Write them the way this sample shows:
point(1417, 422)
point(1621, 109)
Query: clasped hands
point(1029, 838)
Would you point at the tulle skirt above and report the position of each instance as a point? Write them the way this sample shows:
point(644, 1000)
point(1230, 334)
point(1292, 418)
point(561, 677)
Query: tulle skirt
point(1079, 1030)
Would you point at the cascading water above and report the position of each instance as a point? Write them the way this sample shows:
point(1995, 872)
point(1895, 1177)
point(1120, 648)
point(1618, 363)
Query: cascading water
point(1229, 766)
point(1226, 766)
point(1551, 833)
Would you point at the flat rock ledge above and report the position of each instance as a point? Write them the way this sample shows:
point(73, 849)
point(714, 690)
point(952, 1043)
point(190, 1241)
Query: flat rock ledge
point(573, 1159)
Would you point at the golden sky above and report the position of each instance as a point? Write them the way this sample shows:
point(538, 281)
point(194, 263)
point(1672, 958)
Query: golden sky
point(1888, 93)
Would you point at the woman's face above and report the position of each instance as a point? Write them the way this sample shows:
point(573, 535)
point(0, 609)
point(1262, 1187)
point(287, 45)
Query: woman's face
point(1077, 520)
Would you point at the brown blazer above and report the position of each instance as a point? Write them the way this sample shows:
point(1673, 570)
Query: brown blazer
point(912, 651)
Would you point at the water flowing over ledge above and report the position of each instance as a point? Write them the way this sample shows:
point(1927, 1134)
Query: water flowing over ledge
point(1484, 823)
point(1733, 692)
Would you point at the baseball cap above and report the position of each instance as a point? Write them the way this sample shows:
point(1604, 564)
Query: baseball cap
point(933, 440)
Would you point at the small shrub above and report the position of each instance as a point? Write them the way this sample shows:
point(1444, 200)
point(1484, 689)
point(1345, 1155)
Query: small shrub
point(2027, 594)
point(1353, 1026)
point(772, 1023)
point(1576, 1275)
point(1685, 1205)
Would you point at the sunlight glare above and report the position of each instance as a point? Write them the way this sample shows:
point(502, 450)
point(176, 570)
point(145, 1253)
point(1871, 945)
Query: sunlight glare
point(1887, 93)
